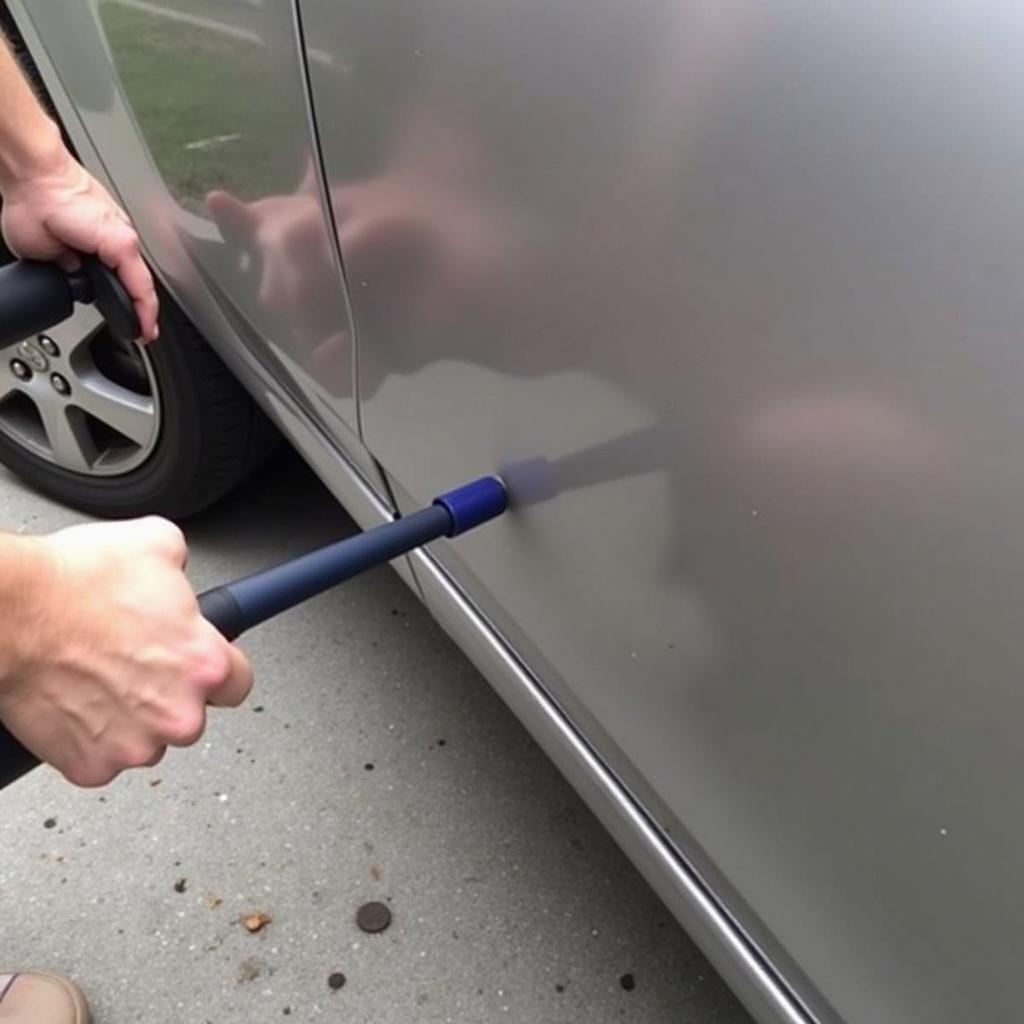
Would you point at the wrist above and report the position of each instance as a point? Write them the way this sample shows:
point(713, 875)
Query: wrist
point(40, 153)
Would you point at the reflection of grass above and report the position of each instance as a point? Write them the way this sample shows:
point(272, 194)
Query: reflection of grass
point(232, 12)
point(184, 84)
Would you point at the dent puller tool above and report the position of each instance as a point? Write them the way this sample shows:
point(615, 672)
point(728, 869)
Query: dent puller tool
point(34, 296)
point(237, 606)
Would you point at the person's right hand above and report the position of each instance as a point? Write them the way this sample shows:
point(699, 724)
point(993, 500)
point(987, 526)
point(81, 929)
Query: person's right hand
point(61, 210)
point(105, 659)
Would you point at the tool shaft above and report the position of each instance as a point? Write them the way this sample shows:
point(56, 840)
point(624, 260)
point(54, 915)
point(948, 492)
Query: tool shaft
point(246, 602)
point(236, 607)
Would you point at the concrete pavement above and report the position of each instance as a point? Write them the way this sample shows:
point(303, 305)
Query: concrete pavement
point(372, 763)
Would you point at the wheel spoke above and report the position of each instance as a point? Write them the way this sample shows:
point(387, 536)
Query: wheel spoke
point(131, 415)
point(69, 437)
point(8, 382)
point(77, 330)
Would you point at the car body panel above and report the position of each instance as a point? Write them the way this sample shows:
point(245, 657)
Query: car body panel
point(727, 290)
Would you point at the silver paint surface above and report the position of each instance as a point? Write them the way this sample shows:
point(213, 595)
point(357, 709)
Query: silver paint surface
point(733, 288)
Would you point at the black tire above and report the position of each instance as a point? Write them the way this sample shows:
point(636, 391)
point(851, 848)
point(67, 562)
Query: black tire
point(212, 436)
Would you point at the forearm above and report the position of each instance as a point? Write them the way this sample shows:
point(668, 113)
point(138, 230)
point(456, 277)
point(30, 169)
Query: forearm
point(30, 142)
point(22, 568)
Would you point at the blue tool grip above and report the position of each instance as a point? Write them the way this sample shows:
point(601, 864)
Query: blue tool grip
point(474, 503)
point(235, 607)
point(238, 606)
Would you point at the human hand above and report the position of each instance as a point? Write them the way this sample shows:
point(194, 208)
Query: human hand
point(106, 658)
point(56, 213)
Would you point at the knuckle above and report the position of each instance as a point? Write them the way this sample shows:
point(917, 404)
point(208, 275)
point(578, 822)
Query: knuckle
point(186, 726)
point(135, 753)
point(214, 666)
point(121, 234)
point(166, 534)
point(214, 676)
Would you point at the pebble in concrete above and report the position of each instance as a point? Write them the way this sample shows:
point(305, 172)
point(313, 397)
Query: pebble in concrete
point(373, 917)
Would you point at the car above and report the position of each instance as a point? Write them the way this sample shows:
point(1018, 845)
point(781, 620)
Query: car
point(728, 294)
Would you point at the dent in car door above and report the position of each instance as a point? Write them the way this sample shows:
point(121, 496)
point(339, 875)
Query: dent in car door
point(731, 290)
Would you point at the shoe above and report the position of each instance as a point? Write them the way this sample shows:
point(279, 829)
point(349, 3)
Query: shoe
point(41, 999)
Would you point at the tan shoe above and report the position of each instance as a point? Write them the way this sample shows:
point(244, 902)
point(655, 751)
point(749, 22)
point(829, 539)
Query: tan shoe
point(41, 999)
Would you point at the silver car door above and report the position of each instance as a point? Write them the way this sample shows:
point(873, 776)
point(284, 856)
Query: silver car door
point(729, 290)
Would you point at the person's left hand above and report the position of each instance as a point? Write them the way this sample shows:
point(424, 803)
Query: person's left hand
point(56, 214)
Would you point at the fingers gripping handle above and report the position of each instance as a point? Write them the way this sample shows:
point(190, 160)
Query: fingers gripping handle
point(110, 297)
point(217, 605)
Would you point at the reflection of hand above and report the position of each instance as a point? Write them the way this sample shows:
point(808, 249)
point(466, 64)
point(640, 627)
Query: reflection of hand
point(289, 243)
point(287, 235)
point(54, 213)
point(106, 658)
point(422, 245)
point(415, 253)
point(418, 243)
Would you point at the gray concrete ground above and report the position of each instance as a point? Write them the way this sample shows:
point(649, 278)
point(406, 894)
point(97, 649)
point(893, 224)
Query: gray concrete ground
point(373, 762)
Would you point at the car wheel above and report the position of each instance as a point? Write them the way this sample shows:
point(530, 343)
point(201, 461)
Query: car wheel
point(118, 430)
